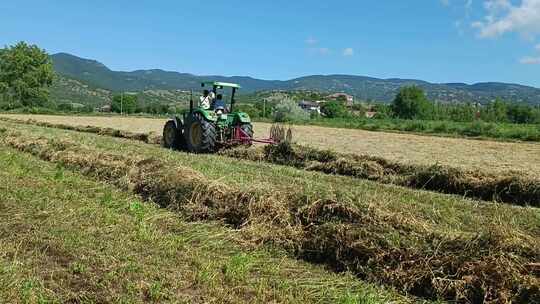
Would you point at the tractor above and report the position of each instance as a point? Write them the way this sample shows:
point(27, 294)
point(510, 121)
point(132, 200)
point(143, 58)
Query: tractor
point(206, 130)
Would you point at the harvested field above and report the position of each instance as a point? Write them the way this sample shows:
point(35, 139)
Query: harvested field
point(485, 155)
point(65, 238)
point(509, 187)
point(438, 246)
point(505, 187)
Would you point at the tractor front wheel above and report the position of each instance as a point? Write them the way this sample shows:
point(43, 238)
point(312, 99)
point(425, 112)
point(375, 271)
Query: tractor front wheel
point(200, 135)
point(172, 136)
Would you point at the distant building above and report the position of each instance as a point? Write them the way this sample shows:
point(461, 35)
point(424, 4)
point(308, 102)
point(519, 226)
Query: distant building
point(105, 109)
point(349, 99)
point(310, 106)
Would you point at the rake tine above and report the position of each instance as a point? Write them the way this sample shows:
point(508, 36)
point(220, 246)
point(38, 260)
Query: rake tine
point(289, 136)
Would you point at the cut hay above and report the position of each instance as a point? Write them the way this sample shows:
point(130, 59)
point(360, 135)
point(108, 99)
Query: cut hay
point(510, 187)
point(150, 138)
point(468, 268)
point(467, 154)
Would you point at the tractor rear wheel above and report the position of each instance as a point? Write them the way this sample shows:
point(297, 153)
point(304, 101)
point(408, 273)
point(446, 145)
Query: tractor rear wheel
point(172, 136)
point(200, 134)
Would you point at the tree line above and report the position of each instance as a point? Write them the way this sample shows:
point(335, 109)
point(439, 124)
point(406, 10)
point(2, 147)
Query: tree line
point(412, 103)
point(26, 73)
point(129, 104)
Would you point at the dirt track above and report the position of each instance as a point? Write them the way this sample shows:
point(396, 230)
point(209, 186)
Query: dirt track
point(406, 148)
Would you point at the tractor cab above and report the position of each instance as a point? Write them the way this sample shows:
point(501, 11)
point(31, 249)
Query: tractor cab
point(219, 105)
point(222, 110)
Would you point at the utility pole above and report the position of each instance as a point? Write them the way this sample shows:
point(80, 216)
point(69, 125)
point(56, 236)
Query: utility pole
point(122, 103)
point(264, 107)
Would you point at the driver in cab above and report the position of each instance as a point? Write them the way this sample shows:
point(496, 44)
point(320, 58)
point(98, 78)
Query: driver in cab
point(219, 104)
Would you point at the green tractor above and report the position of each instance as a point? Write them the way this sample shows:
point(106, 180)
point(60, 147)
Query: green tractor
point(207, 129)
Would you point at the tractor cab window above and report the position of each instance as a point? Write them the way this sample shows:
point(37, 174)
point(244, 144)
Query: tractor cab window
point(219, 103)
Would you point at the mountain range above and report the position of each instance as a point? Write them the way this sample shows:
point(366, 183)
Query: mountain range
point(98, 77)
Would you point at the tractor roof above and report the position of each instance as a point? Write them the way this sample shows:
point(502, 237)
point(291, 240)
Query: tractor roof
point(221, 84)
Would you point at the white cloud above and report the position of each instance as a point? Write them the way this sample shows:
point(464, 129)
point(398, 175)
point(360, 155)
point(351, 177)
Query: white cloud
point(311, 41)
point(348, 52)
point(467, 4)
point(463, 8)
point(314, 49)
point(497, 5)
point(323, 50)
point(504, 17)
point(319, 50)
point(530, 60)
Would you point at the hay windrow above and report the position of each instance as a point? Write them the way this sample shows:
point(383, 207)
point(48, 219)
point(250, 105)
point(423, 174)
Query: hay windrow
point(472, 268)
point(510, 187)
point(150, 138)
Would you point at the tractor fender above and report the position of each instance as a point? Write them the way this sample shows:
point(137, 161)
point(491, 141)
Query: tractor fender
point(178, 122)
point(244, 118)
point(208, 115)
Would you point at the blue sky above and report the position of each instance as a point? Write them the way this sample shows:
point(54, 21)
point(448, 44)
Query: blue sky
point(434, 40)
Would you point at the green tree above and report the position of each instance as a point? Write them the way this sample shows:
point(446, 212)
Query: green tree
point(26, 72)
point(520, 113)
point(334, 109)
point(496, 111)
point(124, 103)
point(410, 103)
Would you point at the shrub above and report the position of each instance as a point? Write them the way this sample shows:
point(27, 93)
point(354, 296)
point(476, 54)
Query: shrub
point(479, 128)
point(441, 127)
point(414, 126)
point(36, 110)
point(250, 109)
point(410, 103)
point(334, 109)
point(288, 110)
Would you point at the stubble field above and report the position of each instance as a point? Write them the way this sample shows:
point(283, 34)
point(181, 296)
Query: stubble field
point(485, 155)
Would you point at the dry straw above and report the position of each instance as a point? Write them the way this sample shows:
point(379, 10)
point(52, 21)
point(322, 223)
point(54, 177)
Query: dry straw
point(509, 187)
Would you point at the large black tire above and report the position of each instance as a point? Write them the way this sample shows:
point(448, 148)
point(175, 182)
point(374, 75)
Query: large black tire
point(248, 129)
point(200, 134)
point(172, 136)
